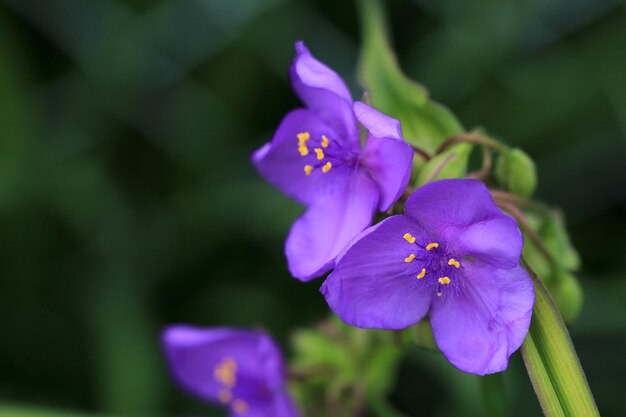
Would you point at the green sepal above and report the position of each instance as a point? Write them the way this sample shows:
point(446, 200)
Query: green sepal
point(451, 163)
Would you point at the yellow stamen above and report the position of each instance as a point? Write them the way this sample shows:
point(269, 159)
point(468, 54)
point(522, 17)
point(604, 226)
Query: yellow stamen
point(304, 151)
point(439, 294)
point(444, 280)
point(409, 258)
point(432, 245)
point(327, 166)
point(409, 238)
point(240, 406)
point(225, 396)
point(303, 137)
point(319, 153)
point(454, 262)
point(324, 141)
point(422, 274)
point(308, 169)
point(225, 372)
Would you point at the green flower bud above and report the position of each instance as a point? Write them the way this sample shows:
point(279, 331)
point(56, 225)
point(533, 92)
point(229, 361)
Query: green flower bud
point(568, 295)
point(555, 237)
point(515, 170)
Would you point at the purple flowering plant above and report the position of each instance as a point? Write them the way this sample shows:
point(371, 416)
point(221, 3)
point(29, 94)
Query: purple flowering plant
point(453, 253)
point(316, 157)
point(453, 243)
point(242, 370)
point(453, 273)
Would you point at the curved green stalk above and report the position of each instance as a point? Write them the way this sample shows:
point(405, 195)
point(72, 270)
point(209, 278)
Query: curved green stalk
point(551, 361)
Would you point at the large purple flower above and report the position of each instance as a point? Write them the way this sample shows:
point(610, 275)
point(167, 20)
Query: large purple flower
point(316, 158)
point(453, 252)
point(241, 369)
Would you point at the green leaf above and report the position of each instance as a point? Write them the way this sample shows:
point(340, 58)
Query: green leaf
point(452, 163)
point(425, 123)
point(552, 363)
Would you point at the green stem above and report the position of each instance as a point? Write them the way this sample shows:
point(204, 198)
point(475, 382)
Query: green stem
point(471, 138)
point(551, 361)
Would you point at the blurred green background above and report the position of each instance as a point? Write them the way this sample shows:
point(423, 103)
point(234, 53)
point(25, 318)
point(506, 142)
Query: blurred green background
point(127, 200)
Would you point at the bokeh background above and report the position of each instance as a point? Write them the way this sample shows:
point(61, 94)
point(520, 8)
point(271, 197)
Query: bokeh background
point(127, 200)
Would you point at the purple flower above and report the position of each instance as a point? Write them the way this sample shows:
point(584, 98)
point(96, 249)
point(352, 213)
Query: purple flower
point(240, 369)
point(453, 253)
point(316, 158)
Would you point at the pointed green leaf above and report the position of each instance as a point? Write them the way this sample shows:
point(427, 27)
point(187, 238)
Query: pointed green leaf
point(552, 363)
point(425, 123)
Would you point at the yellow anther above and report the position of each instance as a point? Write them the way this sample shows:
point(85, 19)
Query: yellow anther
point(225, 396)
point(225, 372)
point(422, 274)
point(432, 245)
point(444, 280)
point(240, 406)
point(308, 169)
point(304, 151)
point(324, 141)
point(327, 166)
point(320, 153)
point(439, 294)
point(303, 137)
point(409, 258)
point(454, 262)
point(409, 238)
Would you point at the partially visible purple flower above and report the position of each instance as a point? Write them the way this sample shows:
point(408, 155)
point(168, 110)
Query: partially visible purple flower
point(453, 253)
point(316, 158)
point(240, 369)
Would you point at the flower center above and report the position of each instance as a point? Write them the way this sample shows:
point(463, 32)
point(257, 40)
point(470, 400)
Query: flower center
point(432, 266)
point(226, 373)
point(320, 154)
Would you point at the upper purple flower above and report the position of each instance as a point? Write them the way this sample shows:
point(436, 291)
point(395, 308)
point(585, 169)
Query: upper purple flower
point(240, 369)
point(453, 252)
point(316, 158)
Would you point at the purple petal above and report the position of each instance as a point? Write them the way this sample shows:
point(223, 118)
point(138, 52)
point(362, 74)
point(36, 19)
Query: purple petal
point(497, 241)
point(387, 157)
point(478, 329)
point(280, 162)
point(446, 206)
point(323, 91)
point(319, 235)
point(377, 123)
point(372, 286)
point(195, 354)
